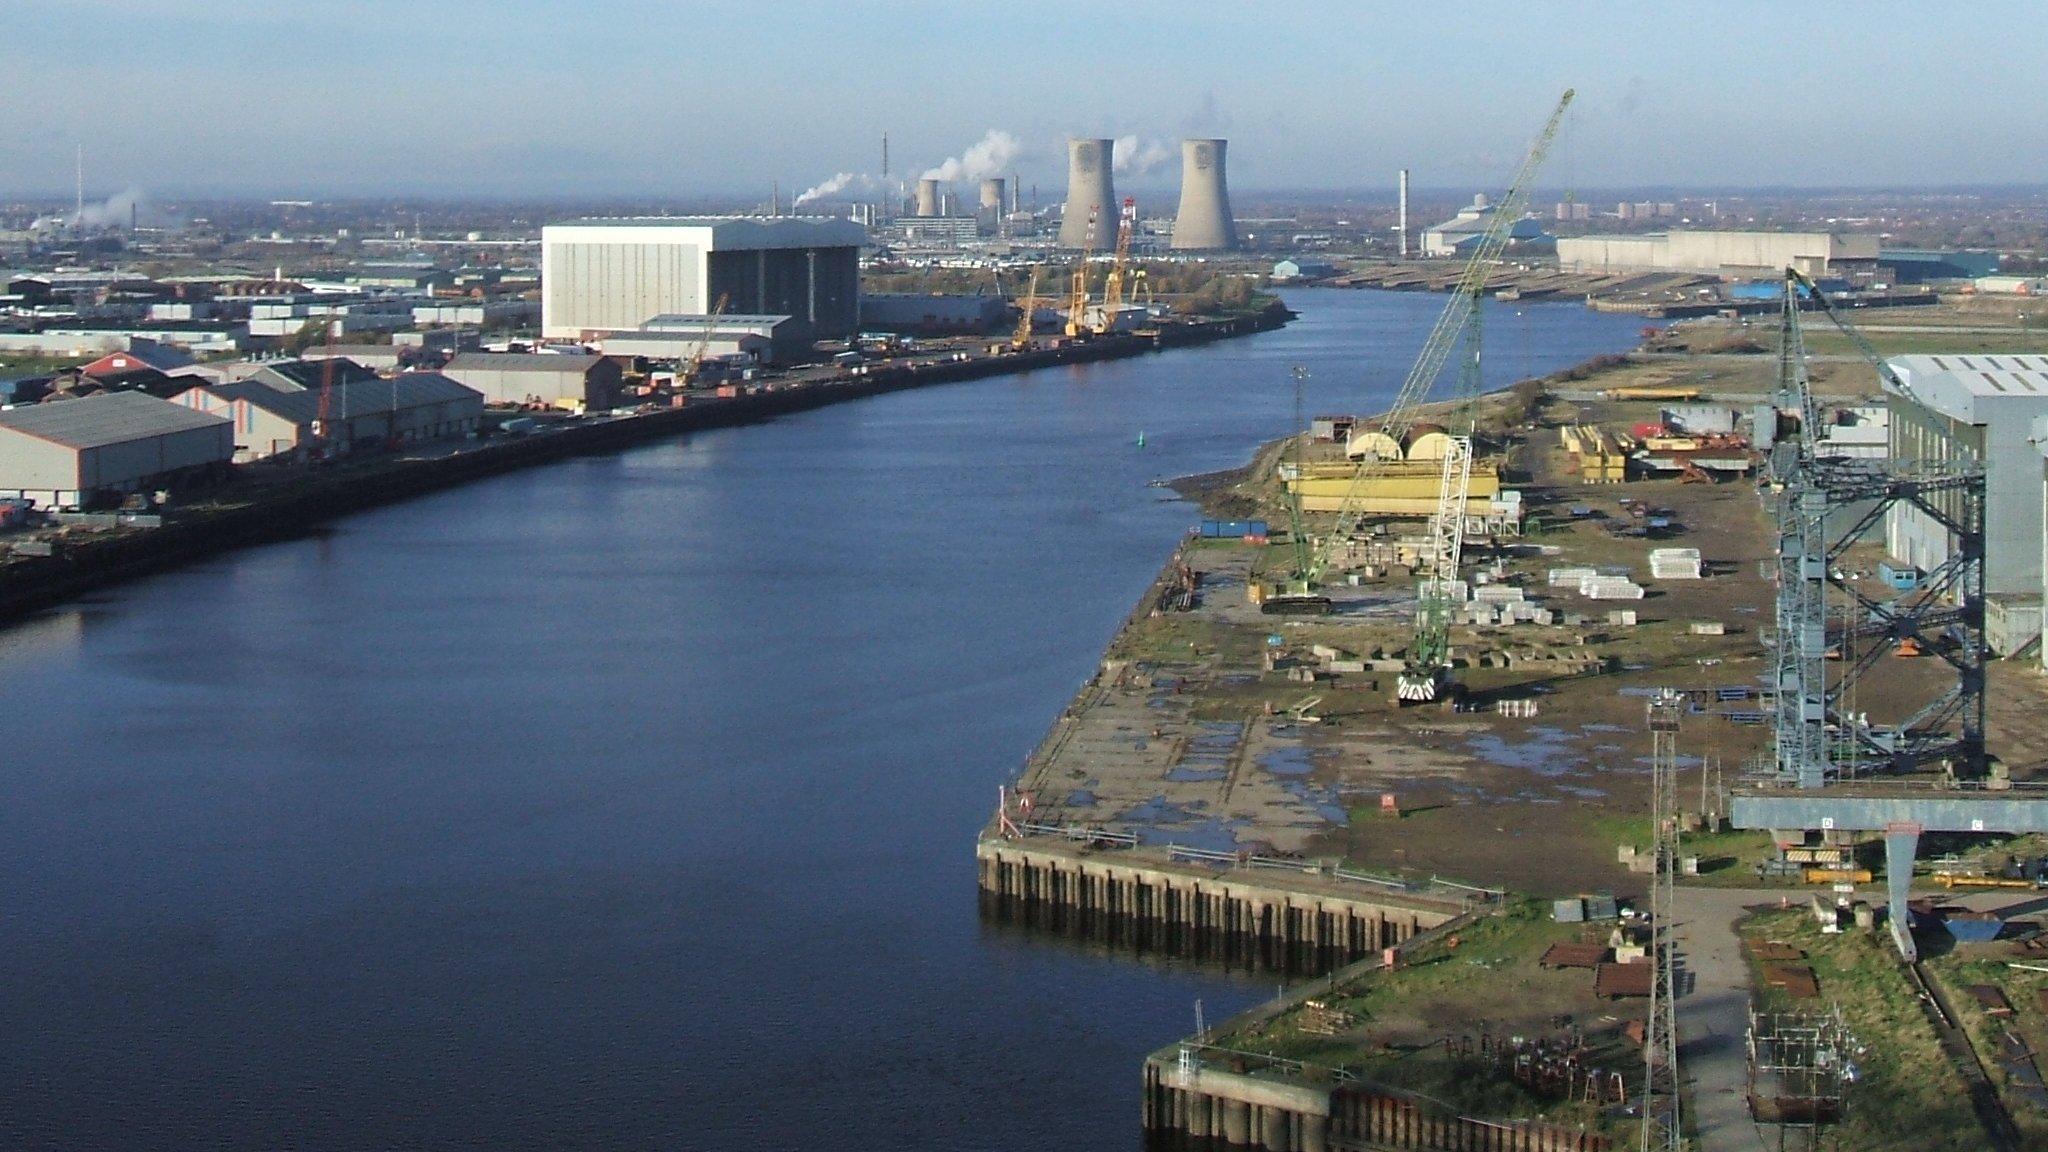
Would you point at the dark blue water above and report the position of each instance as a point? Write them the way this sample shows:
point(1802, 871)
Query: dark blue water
point(628, 802)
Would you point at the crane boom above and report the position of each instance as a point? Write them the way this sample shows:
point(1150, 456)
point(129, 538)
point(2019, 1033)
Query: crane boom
point(1077, 294)
point(1444, 335)
point(1021, 339)
point(1113, 285)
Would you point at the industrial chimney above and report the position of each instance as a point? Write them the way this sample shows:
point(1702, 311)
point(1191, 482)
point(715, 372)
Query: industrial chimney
point(1090, 192)
point(927, 197)
point(1401, 223)
point(1204, 221)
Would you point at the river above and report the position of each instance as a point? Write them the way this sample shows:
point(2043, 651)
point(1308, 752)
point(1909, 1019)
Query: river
point(629, 802)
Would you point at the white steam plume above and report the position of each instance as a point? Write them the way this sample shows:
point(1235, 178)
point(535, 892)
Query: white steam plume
point(117, 210)
point(852, 182)
point(989, 156)
point(1140, 158)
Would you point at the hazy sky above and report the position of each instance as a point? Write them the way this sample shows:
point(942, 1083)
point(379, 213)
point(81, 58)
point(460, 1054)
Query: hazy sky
point(668, 97)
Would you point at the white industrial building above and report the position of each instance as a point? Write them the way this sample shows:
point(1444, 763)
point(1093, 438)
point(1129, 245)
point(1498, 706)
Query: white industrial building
point(1974, 408)
point(1455, 236)
point(576, 382)
point(760, 339)
point(614, 275)
point(1716, 253)
point(272, 420)
point(77, 453)
point(476, 313)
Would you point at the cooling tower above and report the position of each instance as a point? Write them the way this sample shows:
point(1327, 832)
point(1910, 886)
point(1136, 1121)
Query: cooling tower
point(1090, 191)
point(992, 196)
point(1204, 221)
point(928, 197)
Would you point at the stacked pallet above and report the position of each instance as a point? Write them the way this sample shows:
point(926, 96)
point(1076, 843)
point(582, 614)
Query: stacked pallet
point(1674, 563)
point(1610, 588)
point(1598, 457)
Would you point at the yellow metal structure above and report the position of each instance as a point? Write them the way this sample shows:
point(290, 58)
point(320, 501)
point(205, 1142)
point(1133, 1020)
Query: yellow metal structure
point(1601, 458)
point(1950, 880)
point(1397, 488)
point(1651, 392)
point(1838, 875)
point(1077, 294)
point(1113, 284)
point(1020, 340)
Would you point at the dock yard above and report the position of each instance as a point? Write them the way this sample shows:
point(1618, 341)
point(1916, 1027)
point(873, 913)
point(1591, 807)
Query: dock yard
point(1242, 787)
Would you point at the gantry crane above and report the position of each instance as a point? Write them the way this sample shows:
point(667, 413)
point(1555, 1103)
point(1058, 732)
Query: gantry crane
point(1113, 284)
point(1077, 294)
point(1443, 337)
point(1429, 658)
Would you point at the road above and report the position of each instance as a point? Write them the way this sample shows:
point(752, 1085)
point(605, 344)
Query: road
point(1713, 1014)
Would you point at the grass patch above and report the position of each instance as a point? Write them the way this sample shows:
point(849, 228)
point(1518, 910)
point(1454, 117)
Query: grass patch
point(1488, 979)
point(1907, 1094)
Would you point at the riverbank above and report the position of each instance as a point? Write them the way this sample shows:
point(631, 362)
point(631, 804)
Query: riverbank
point(84, 561)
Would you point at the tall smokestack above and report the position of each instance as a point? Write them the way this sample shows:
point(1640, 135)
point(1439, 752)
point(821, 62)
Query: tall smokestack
point(1090, 192)
point(927, 197)
point(1402, 225)
point(1204, 221)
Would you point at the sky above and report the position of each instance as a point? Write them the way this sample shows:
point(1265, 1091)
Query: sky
point(591, 98)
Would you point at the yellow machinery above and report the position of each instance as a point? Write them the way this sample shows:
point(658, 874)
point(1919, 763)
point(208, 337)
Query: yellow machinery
point(1020, 341)
point(1077, 295)
point(1951, 880)
point(1113, 285)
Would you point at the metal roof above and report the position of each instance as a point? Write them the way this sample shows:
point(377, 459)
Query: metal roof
point(352, 397)
point(1956, 384)
point(106, 418)
point(521, 362)
point(717, 232)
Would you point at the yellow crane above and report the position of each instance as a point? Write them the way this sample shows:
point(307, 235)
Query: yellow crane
point(1077, 295)
point(696, 361)
point(1020, 341)
point(1113, 285)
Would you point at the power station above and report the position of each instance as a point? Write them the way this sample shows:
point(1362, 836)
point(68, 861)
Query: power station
point(1204, 222)
point(1091, 194)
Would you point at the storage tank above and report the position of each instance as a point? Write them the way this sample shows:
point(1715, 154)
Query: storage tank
point(1091, 192)
point(1372, 442)
point(928, 197)
point(1426, 442)
point(1204, 222)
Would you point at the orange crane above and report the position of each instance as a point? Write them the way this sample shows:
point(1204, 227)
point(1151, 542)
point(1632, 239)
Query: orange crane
point(1113, 286)
point(1077, 297)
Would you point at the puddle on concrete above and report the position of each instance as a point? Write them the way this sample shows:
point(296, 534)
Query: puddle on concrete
point(1581, 791)
point(1289, 761)
point(1545, 751)
point(1081, 798)
point(1195, 775)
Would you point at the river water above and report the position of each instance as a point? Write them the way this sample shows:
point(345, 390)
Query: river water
point(629, 802)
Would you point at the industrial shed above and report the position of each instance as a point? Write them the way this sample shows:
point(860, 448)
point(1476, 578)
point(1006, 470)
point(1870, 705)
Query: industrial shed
point(77, 453)
point(764, 339)
point(589, 382)
point(271, 421)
